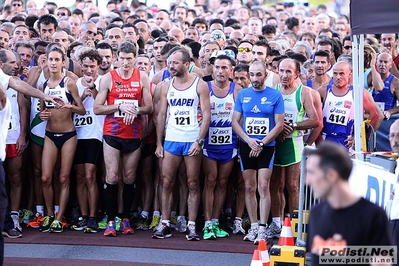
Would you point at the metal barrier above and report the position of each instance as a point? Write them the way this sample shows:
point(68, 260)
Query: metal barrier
point(306, 200)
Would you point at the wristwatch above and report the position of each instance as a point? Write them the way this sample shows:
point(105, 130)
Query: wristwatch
point(261, 144)
point(200, 142)
point(293, 125)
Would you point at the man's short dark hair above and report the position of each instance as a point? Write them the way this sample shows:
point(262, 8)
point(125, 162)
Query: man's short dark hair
point(200, 21)
point(104, 45)
point(291, 22)
point(241, 68)
point(268, 29)
point(263, 43)
point(127, 47)
point(92, 55)
point(47, 19)
point(333, 156)
point(30, 20)
point(322, 54)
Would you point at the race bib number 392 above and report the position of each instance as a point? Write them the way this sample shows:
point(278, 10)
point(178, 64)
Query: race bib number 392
point(220, 135)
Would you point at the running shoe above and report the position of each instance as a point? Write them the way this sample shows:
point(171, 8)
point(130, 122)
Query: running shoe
point(246, 223)
point(228, 221)
point(27, 216)
point(155, 222)
point(56, 227)
point(173, 221)
point(238, 227)
point(103, 223)
point(15, 219)
point(80, 224)
point(125, 227)
point(208, 232)
point(275, 230)
point(118, 223)
point(92, 226)
point(110, 230)
point(143, 223)
point(45, 226)
point(220, 233)
point(262, 234)
point(12, 233)
point(252, 234)
point(37, 221)
point(192, 234)
point(181, 224)
point(162, 231)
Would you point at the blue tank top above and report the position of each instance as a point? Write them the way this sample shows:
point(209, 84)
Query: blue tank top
point(385, 99)
point(338, 116)
point(220, 134)
point(309, 83)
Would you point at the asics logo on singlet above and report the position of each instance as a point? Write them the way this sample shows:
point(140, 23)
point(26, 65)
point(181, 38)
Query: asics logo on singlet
point(287, 115)
point(337, 111)
point(257, 122)
point(255, 109)
point(221, 131)
point(52, 93)
point(182, 112)
point(181, 102)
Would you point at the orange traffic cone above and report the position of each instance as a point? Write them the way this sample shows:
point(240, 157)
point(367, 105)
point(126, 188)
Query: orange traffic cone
point(286, 238)
point(256, 259)
point(264, 254)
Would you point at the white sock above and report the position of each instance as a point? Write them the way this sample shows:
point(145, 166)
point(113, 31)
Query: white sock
point(207, 223)
point(167, 222)
point(254, 225)
point(180, 217)
point(56, 208)
point(215, 220)
point(172, 213)
point(277, 221)
point(40, 209)
point(156, 213)
point(238, 218)
point(190, 223)
point(145, 214)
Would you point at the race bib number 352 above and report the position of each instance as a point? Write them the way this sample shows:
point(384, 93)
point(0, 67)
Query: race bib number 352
point(257, 126)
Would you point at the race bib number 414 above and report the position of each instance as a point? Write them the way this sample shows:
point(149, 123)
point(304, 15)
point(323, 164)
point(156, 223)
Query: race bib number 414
point(257, 126)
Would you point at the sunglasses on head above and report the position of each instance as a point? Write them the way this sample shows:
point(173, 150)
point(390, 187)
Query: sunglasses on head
point(16, 5)
point(216, 35)
point(347, 47)
point(61, 14)
point(244, 49)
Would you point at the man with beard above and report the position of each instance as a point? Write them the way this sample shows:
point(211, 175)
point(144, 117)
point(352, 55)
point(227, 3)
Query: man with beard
point(184, 138)
point(108, 58)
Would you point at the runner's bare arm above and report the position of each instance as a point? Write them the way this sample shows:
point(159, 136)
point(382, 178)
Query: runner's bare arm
point(203, 93)
point(161, 118)
point(313, 117)
point(78, 106)
point(146, 107)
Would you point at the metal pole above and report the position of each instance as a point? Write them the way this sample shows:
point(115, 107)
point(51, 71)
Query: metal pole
point(305, 152)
